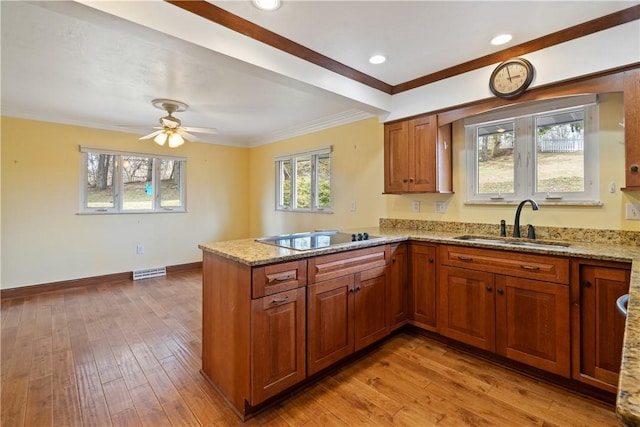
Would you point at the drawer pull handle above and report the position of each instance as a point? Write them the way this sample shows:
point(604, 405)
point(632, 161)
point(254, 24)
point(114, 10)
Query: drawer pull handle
point(530, 267)
point(465, 258)
point(283, 278)
point(280, 300)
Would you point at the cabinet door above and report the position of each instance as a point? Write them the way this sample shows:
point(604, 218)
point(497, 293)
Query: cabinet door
point(422, 155)
point(398, 287)
point(423, 286)
point(277, 343)
point(370, 322)
point(396, 157)
point(466, 306)
point(329, 322)
point(632, 128)
point(601, 327)
point(532, 323)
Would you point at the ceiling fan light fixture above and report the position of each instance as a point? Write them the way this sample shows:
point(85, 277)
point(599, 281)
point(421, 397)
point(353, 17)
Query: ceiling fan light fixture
point(267, 5)
point(175, 140)
point(501, 39)
point(161, 138)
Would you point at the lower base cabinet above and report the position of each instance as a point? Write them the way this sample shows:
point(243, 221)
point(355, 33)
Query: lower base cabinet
point(523, 319)
point(345, 314)
point(278, 340)
point(598, 327)
point(423, 303)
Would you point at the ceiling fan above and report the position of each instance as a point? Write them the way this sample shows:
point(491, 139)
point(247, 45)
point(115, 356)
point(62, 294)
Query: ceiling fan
point(171, 129)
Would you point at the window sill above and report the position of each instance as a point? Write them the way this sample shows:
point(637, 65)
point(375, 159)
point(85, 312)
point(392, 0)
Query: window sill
point(540, 202)
point(324, 211)
point(131, 212)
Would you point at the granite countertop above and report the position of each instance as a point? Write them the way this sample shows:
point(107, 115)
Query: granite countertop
point(591, 244)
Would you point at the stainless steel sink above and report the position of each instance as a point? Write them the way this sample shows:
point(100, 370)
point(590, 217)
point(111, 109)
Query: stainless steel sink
point(542, 244)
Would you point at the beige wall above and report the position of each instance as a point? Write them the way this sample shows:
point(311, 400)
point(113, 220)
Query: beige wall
point(358, 175)
point(231, 194)
point(44, 239)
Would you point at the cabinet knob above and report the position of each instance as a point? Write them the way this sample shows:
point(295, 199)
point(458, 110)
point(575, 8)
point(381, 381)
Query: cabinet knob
point(405, 180)
point(489, 288)
point(431, 260)
point(351, 290)
point(633, 168)
point(500, 291)
point(410, 179)
point(393, 260)
point(358, 288)
point(586, 283)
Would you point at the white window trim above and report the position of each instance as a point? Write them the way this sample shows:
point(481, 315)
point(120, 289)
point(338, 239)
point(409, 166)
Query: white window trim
point(314, 181)
point(118, 201)
point(525, 151)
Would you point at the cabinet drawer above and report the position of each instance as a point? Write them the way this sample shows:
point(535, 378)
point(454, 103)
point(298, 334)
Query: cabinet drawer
point(335, 265)
point(275, 278)
point(537, 267)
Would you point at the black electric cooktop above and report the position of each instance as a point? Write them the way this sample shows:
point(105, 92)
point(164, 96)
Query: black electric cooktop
point(314, 240)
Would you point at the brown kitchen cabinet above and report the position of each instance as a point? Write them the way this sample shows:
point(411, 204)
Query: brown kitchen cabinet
point(423, 311)
point(278, 341)
point(515, 306)
point(398, 287)
point(597, 326)
point(417, 156)
point(347, 310)
point(632, 129)
point(253, 329)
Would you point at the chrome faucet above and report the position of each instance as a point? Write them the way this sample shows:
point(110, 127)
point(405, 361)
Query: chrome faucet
point(516, 225)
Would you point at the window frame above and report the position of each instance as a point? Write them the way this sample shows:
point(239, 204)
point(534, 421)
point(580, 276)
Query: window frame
point(118, 188)
point(525, 152)
point(315, 156)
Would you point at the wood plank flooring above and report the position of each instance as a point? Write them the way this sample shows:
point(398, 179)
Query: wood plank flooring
point(129, 354)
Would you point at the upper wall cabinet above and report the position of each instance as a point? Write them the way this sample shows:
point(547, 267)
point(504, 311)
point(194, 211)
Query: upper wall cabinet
point(632, 128)
point(417, 156)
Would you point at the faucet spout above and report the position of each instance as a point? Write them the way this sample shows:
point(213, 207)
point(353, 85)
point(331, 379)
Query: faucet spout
point(516, 224)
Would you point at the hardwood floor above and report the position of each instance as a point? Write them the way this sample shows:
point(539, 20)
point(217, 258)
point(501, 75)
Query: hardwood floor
point(129, 354)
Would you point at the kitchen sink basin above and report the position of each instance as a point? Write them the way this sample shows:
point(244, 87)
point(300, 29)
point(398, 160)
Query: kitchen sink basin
point(542, 244)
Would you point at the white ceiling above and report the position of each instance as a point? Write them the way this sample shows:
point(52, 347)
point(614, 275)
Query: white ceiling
point(100, 64)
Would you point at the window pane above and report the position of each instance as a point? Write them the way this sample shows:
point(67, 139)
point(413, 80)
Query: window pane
point(137, 179)
point(170, 183)
point(323, 168)
point(303, 182)
point(286, 171)
point(560, 152)
point(100, 180)
point(495, 158)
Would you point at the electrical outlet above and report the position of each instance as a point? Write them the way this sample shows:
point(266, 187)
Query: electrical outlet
point(139, 249)
point(353, 206)
point(415, 206)
point(633, 211)
point(441, 207)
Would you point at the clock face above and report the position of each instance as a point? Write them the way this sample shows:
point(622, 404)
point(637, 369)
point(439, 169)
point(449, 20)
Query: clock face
point(511, 78)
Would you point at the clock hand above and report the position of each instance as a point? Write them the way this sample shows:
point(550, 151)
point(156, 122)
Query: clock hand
point(508, 74)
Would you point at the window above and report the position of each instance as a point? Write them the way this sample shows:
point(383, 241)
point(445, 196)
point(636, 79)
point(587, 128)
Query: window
point(303, 181)
point(120, 182)
point(546, 151)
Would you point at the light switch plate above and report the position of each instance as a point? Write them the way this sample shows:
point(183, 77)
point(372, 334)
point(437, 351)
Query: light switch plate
point(415, 206)
point(441, 207)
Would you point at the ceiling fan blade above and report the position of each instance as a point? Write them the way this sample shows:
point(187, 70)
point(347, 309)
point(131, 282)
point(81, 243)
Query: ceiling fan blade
point(152, 134)
point(187, 135)
point(201, 130)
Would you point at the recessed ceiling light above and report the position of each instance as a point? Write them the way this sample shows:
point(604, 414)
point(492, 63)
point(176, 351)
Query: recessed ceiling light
point(267, 4)
point(501, 39)
point(377, 59)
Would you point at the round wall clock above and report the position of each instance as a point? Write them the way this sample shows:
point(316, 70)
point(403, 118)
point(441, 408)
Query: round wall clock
point(511, 78)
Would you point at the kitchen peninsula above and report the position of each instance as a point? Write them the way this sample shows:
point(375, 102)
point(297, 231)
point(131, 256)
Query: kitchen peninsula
point(252, 288)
